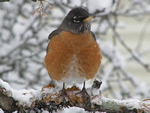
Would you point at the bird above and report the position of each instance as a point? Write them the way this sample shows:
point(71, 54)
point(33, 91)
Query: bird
point(73, 54)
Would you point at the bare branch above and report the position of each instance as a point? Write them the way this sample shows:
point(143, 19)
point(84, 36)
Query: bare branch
point(134, 54)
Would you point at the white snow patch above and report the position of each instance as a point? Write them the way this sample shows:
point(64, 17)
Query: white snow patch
point(24, 97)
point(130, 103)
point(57, 13)
point(1, 111)
point(113, 53)
point(121, 25)
point(98, 5)
point(73, 110)
point(75, 3)
point(50, 90)
point(143, 89)
point(96, 93)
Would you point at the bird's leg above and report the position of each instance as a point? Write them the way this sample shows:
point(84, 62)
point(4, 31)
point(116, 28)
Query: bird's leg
point(84, 93)
point(64, 94)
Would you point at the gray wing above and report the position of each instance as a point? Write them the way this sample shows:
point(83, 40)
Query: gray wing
point(54, 33)
point(93, 35)
point(51, 35)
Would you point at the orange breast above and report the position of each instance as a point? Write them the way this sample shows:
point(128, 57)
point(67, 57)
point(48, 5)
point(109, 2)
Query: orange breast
point(72, 57)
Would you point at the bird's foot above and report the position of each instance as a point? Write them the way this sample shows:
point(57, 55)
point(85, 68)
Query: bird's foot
point(85, 96)
point(65, 97)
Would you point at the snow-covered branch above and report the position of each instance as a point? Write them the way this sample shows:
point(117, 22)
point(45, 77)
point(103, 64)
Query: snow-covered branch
point(47, 99)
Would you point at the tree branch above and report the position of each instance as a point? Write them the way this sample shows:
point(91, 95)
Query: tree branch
point(4, 0)
point(47, 99)
point(9, 0)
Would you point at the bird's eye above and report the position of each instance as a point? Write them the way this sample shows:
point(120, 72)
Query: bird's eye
point(76, 19)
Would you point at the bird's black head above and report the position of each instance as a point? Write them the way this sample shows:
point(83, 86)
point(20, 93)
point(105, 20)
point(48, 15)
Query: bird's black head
point(77, 21)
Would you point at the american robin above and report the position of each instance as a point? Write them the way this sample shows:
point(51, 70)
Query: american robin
point(73, 53)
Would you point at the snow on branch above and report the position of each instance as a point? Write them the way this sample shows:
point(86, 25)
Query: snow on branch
point(47, 100)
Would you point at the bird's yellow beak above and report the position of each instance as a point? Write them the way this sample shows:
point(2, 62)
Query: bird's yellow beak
point(88, 18)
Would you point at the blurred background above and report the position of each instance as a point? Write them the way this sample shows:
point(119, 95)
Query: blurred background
point(122, 28)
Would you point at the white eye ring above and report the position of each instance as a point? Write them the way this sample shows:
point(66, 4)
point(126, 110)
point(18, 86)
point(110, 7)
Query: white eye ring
point(76, 19)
